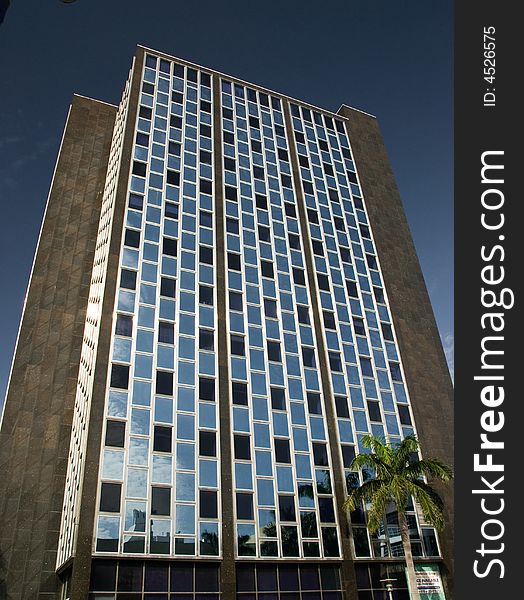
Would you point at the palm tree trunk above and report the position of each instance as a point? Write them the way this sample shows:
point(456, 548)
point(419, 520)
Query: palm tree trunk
point(412, 578)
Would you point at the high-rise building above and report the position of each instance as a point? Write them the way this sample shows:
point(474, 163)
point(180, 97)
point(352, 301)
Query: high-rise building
point(225, 297)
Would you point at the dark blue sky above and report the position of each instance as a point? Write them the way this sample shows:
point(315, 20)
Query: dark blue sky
point(393, 59)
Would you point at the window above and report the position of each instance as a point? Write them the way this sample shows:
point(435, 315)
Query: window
point(352, 289)
point(207, 443)
point(162, 439)
point(348, 454)
point(323, 282)
point(367, 368)
point(110, 497)
point(237, 345)
point(286, 506)
point(320, 455)
point(372, 261)
point(205, 157)
point(289, 208)
point(232, 225)
point(205, 295)
point(206, 389)
point(240, 393)
point(206, 255)
point(173, 177)
point(387, 332)
point(294, 241)
point(270, 308)
point(312, 215)
point(174, 148)
point(160, 501)
point(261, 201)
point(314, 403)
point(166, 333)
point(229, 164)
point(139, 168)
point(167, 287)
point(374, 411)
point(136, 201)
point(298, 276)
point(120, 376)
point(124, 325)
point(341, 404)
point(206, 187)
point(235, 301)
point(273, 351)
point(364, 229)
point(345, 255)
point(128, 279)
point(164, 383)
point(132, 238)
point(334, 362)
point(394, 369)
point(278, 399)
point(242, 447)
point(282, 453)
point(208, 504)
point(267, 269)
point(171, 210)
point(339, 224)
point(169, 247)
point(175, 121)
point(327, 511)
point(115, 433)
point(308, 357)
point(303, 315)
point(233, 261)
point(403, 413)
point(358, 325)
point(329, 320)
point(244, 506)
point(264, 233)
point(318, 248)
point(379, 295)
point(206, 340)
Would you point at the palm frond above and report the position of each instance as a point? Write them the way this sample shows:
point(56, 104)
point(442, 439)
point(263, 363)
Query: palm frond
point(430, 467)
point(364, 493)
point(430, 503)
point(376, 513)
point(407, 447)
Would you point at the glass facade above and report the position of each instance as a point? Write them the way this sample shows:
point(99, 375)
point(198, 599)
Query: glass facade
point(312, 357)
point(159, 465)
point(282, 467)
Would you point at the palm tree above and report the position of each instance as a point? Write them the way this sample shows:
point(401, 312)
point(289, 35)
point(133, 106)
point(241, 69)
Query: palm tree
point(398, 476)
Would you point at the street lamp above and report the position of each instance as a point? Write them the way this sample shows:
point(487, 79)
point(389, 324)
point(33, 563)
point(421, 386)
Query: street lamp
point(389, 586)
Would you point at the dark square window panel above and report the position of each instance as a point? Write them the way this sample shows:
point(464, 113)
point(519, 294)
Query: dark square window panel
point(120, 376)
point(110, 497)
point(208, 444)
point(206, 389)
point(282, 452)
point(242, 447)
point(208, 504)
point(164, 383)
point(115, 433)
point(160, 501)
point(162, 440)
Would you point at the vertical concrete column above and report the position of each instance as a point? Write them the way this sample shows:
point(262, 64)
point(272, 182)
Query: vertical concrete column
point(228, 570)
